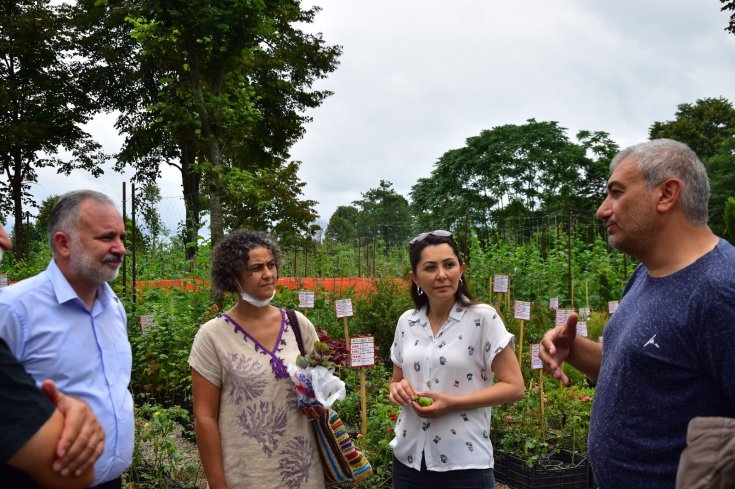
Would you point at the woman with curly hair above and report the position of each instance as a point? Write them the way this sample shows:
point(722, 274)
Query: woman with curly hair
point(249, 430)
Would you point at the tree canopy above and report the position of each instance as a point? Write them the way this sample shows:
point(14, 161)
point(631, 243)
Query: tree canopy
point(217, 89)
point(42, 104)
point(513, 170)
point(708, 127)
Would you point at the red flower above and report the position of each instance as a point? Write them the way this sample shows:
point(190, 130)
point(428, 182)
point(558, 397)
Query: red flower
point(392, 416)
point(389, 430)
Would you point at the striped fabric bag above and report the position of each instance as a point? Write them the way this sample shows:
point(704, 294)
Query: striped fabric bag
point(342, 462)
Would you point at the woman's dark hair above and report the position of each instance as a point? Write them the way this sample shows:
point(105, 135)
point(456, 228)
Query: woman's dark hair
point(230, 257)
point(462, 295)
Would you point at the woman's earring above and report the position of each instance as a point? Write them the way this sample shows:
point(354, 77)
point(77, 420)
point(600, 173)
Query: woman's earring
point(420, 292)
point(461, 281)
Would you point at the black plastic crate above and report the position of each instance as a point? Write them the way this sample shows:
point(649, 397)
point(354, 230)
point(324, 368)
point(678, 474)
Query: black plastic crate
point(560, 470)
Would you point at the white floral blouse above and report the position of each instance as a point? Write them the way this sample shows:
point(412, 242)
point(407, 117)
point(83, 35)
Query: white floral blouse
point(456, 361)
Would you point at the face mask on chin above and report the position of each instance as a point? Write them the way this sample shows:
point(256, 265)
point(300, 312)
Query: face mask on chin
point(252, 300)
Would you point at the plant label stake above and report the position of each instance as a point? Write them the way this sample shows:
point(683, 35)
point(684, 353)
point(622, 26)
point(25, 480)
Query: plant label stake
point(501, 283)
point(344, 311)
point(522, 312)
point(306, 300)
point(536, 364)
point(554, 303)
point(582, 328)
point(362, 354)
point(562, 315)
point(145, 321)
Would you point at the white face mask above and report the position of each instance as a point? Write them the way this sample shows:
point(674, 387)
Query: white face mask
point(252, 300)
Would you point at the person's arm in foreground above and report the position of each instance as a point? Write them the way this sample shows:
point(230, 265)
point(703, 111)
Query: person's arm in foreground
point(36, 457)
point(206, 417)
point(507, 388)
point(562, 344)
point(82, 439)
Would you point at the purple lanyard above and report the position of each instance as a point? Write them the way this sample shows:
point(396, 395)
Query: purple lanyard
point(277, 365)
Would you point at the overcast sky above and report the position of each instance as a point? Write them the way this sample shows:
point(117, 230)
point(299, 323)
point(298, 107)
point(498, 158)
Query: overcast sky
point(418, 77)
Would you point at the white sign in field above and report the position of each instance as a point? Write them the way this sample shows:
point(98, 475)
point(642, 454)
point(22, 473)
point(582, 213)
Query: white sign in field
point(522, 310)
point(554, 303)
point(362, 351)
point(562, 315)
point(145, 321)
point(582, 328)
point(344, 308)
point(536, 362)
point(306, 299)
point(612, 306)
point(500, 283)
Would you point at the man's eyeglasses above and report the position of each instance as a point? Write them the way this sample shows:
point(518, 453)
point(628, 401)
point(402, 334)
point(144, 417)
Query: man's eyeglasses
point(440, 233)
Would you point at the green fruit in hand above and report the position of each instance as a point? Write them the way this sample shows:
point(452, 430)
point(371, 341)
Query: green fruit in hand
point(423, 401)
point(302, 362)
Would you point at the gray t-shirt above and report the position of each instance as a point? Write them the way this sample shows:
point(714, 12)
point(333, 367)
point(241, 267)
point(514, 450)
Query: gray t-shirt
point(668, 356)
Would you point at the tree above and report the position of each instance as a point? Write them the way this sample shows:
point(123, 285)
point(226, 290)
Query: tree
point(708, 127)
point(268, 200)
point(383, 214)
point(218, 87)
point(42, 104)
point(703, 125)
point(729, 218)
point(512, 171)
point(729, 5)
point(342, 226)
point(44, 212)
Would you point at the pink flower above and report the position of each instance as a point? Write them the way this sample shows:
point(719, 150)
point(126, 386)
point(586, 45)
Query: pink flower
point(509, 418)
point(586, 399)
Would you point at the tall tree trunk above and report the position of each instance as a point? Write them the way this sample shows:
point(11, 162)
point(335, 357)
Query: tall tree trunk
point(16, 190)
point(191, 184)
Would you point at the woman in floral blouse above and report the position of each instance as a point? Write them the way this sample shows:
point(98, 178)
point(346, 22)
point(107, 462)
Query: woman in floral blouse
point(250, 432)
point(448, 349)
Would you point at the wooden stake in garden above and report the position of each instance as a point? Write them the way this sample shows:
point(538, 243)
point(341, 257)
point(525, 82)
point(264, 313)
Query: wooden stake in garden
point(306, 300)
point(537, 364)
point(522, 312)
point(362, 355)
point(501, 285)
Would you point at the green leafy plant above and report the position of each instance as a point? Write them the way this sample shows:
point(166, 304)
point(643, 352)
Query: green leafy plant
point(522, 430)
point(158, 460)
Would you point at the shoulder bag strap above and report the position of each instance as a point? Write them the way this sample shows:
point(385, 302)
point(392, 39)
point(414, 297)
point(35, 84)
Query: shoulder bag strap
point(296, 326)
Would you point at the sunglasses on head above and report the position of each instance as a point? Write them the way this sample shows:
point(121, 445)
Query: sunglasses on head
point(440, 233)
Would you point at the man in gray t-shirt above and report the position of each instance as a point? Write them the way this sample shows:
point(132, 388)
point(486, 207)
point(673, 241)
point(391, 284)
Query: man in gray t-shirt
point(668, 347)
